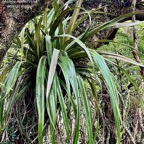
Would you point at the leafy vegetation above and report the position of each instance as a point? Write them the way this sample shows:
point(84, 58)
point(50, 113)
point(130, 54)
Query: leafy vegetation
point(55, 89)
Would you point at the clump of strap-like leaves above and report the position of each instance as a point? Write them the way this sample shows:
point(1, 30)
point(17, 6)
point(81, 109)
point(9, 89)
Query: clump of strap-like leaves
point(51, 91)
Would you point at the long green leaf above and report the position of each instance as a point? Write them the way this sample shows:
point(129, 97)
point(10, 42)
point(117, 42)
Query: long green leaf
point(105, 26)
point(63, 108)
point(7, 87)
point(51, 105)
point(58, 21)
point(99, 60)
point(40, 93)
point(69, 73)
point(74, 17)
point(120, 57)
point(87, 110)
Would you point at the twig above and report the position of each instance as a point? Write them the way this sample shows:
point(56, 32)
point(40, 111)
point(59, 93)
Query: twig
point(135, 51)
point(140, 120)
point(139, 124)
point(130, 135)
point(136, 128)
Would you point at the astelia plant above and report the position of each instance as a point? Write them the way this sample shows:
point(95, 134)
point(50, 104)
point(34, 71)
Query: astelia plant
point(56, 68)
